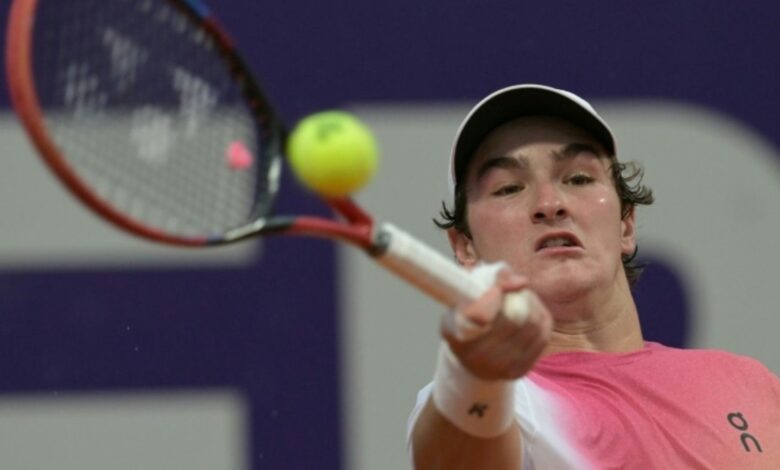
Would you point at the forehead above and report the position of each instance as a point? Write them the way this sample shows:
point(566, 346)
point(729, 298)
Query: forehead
point(531, 130)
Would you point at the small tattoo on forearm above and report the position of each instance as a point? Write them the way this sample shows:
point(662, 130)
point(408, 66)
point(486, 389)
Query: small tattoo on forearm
point(478, 409)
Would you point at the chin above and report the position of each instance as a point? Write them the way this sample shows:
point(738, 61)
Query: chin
point(562, 283)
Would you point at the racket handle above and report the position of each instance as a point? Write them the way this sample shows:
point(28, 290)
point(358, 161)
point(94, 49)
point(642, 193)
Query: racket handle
point(437, 275)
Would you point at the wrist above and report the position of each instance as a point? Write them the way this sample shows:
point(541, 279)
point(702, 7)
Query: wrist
point(481, 408)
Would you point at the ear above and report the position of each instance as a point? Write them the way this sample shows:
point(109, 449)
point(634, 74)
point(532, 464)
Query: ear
point(463, 247)
point(628, 233)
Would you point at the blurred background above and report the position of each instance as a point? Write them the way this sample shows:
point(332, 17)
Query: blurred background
point(295, 354)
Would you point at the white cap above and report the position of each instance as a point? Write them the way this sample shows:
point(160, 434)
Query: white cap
point(517, 101)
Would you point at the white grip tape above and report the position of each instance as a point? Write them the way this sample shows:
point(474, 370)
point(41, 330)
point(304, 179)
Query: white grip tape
point(477, 407)
point(439, 276)
point(426, 268)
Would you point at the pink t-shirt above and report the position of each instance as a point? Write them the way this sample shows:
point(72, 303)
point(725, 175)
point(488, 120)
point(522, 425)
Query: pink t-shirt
point(656, 408)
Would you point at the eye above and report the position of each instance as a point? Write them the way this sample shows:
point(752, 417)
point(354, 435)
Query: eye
point(507, 190)
point(580, 179)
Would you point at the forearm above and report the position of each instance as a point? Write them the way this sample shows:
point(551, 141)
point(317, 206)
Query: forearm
point(437, 444)
point(469, 421)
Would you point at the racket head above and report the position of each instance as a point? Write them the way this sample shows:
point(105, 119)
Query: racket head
point(146, 112)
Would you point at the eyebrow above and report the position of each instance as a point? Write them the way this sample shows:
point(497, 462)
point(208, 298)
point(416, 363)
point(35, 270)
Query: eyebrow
point(521, 161)
point(574, 149)
point(508, 163)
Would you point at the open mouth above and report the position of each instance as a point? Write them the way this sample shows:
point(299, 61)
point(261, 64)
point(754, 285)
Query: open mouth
point(556, 240)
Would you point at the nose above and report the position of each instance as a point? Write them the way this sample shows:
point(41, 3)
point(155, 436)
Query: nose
point(549, 205)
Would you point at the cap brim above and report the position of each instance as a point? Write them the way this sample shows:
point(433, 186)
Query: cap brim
point(519, 101)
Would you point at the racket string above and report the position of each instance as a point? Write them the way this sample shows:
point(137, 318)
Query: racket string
point(143, 108)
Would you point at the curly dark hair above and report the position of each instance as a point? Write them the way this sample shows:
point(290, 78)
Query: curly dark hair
point(627, 178)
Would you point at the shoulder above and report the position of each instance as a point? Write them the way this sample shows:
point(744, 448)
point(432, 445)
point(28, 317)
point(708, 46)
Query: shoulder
point(704, 355)
point(718, 362)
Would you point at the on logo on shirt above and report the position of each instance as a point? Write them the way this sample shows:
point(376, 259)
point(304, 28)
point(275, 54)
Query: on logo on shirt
point(739, 422)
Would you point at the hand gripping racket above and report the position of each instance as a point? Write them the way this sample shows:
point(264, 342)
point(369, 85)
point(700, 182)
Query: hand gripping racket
point(146, 112)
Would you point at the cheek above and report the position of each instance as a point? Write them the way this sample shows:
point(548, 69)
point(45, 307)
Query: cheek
point(482, 217)
point(606, 221)
point(495, 230)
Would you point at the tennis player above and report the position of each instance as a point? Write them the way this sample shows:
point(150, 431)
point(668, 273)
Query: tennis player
point(537, 185)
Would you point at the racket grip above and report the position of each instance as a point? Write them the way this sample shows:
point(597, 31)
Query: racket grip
point(437, 275)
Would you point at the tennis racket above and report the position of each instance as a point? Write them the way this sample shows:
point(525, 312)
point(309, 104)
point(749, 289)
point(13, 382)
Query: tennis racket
point(146, 112)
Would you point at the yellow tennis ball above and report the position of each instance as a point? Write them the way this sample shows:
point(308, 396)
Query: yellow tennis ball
point(332, 153)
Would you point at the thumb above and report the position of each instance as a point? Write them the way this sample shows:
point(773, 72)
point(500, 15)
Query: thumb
point(457, 326)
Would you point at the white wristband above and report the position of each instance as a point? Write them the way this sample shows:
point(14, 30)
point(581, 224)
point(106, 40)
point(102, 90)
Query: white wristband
point(482, 408)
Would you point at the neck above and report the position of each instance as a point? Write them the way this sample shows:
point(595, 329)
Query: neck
point(606, 323)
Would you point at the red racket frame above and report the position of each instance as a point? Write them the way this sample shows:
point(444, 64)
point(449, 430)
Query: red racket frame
point(357, 230)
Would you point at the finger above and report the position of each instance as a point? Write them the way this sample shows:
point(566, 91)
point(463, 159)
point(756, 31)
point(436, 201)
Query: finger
point(523, 348)
point(484, 310)
point(472, 320)
point(455, 327)
point(510, 281)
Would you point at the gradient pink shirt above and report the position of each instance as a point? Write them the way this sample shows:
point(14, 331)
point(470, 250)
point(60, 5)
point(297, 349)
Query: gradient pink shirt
point(656, 408)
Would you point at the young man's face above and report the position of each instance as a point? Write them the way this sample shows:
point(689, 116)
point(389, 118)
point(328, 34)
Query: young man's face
point(540, 196)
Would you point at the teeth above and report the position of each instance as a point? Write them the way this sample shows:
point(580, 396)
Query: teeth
point(553, 242)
